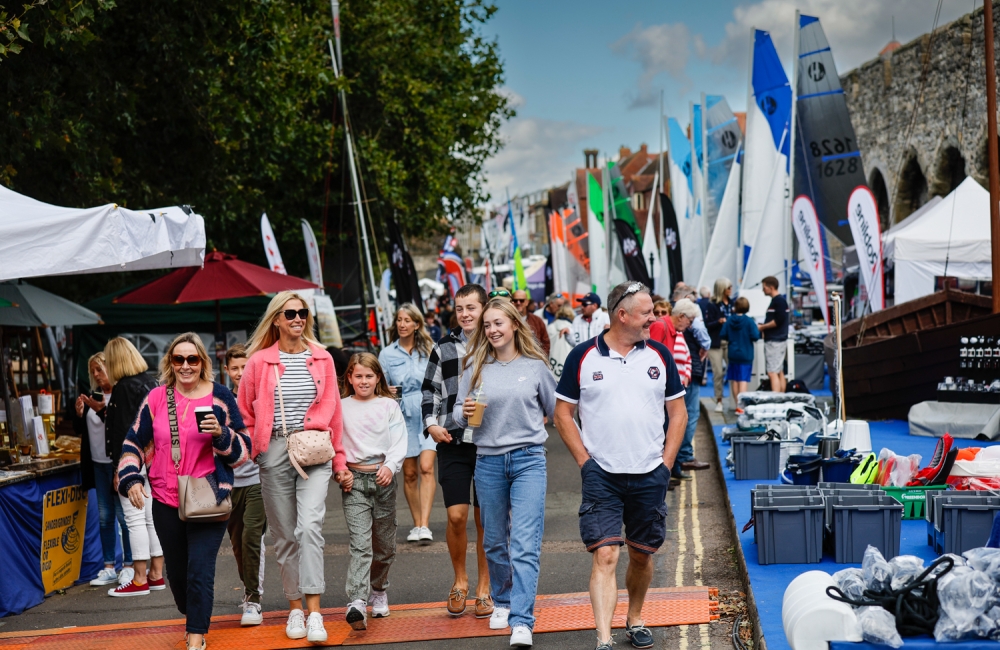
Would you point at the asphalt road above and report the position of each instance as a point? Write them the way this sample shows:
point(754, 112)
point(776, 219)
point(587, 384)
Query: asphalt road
point(699, 551)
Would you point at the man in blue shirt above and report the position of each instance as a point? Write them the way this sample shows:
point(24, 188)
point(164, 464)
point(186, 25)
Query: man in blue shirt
point(775, 331)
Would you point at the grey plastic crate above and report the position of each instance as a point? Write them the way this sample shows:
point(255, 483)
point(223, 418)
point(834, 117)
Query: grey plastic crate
point(862, 520)
point(756, 459)
point(929, 509)
point(789, 530)
point(831, 498)
point(779, 490)
point(866, 487)
point(963, 522)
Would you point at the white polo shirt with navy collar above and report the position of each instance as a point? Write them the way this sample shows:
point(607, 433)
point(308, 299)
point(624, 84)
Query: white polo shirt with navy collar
point(621, 402)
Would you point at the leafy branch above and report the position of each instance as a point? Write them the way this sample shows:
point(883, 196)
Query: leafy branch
point(14, 29)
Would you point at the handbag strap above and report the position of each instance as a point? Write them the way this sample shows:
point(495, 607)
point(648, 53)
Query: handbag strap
point(281, 400)
point(175, 438)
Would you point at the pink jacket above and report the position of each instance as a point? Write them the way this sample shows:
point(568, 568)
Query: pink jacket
point(256, 399)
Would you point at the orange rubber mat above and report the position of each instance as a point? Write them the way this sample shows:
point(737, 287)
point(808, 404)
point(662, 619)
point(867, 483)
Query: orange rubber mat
point(413, 622)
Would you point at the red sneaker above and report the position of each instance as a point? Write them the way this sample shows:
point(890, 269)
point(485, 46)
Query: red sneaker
point(129, 589)
point(156, 585)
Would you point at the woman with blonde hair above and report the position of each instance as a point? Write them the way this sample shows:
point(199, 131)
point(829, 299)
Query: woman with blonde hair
point(287, 366)
point(98, 472)
point(127, 373)
point(717, 311)
point(404, 362)
point(505, 369)
point(209, 449)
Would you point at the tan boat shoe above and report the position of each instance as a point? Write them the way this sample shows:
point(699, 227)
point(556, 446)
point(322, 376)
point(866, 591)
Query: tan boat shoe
point(456, 601)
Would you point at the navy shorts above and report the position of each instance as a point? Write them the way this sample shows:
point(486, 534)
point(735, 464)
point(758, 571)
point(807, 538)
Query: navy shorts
point(636, 500)
point(739, 372)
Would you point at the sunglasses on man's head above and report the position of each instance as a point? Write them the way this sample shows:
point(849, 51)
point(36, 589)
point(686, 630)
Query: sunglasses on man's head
point(192, 360)
point(498, 293)
point(290, 314)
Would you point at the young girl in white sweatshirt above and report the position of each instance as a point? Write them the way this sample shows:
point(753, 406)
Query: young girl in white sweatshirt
point(375, 445)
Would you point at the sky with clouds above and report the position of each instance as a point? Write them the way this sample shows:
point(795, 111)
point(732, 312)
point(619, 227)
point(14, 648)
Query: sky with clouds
point(588, 73)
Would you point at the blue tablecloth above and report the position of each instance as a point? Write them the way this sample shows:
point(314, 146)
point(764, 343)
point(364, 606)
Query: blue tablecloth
point(768, 582)
point(21, 540)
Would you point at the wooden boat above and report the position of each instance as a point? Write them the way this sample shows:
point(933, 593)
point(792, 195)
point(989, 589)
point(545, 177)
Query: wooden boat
point(895, 358)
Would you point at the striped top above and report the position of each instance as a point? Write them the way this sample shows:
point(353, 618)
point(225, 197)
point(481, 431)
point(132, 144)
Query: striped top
point(298, 389)
point(682, 358)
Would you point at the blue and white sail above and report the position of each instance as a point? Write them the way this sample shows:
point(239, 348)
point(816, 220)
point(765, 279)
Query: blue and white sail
point(697, 134)
point(827, 159)
point(722, 137)
point(722, 259)
point(689, 229)
point(766, 226)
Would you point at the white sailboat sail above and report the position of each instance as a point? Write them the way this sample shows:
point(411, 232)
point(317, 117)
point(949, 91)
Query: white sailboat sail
point(650, 249)
point(597, 238)
point(723, 251)
point(688, 224)
point(766, 213)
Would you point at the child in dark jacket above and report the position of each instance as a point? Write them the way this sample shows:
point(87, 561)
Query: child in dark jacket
point(741, 332)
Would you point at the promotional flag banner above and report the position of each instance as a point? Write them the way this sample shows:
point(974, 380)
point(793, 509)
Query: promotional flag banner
point(627, 230)
point(404, 273)
point(520, 281)
point(690, 230)
point(862, 214)
point(650, 251)
point(271, 246)
point(808, 231)
point(312, 254)
point(671, 244)
point(597, 237)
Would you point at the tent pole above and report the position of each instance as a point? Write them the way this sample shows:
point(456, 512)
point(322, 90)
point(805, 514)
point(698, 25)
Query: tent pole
point(6, 392)
point(991, 149)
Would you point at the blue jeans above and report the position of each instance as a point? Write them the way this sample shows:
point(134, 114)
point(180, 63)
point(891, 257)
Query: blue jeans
point(692, 401)
point(109, 509)
point(511, 490)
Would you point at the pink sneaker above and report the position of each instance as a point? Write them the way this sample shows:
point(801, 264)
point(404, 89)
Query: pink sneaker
point(129, 589)
point(156, 585)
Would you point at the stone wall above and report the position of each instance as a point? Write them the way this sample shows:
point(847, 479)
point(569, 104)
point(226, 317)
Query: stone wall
point(921, 133)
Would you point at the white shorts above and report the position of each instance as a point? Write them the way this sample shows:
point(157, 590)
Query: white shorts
point(774, 355)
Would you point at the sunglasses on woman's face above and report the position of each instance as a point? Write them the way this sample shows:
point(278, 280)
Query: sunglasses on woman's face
point(192, 360)
point(290, 314)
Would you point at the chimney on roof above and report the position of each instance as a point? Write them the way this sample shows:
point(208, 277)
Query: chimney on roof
point(624, 152)
point(590, 158)
point(643, 149)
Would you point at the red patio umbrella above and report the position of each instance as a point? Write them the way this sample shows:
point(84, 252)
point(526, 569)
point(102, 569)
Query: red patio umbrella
point(222, 277)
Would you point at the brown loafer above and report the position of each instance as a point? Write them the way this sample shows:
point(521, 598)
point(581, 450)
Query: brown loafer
point(456, 601)
point(674, 482)
point(695, 464)
point(484, 607)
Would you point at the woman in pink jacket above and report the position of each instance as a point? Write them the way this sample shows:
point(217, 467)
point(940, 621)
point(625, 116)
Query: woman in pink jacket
point(284, 340)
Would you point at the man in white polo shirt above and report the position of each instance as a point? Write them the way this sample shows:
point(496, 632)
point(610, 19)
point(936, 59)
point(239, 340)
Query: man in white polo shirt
point(620, 381)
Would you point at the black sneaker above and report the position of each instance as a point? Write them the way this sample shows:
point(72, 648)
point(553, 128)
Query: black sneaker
point(639, 636)
point(355, 616)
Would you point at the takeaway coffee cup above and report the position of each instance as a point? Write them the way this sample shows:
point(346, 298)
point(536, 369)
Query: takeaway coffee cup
point(200, 413)
point(476, 419)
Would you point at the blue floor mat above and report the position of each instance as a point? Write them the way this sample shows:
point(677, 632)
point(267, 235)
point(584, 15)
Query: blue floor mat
point(768, 582)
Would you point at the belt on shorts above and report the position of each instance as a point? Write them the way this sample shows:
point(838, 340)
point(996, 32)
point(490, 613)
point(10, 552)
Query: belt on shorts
point(364, 468)
point(277, 435)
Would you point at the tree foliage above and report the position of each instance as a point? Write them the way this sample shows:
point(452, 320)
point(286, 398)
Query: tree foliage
point(231, 107)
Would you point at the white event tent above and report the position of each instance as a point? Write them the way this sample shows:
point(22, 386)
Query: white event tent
point(39, 239)
point(955, 231)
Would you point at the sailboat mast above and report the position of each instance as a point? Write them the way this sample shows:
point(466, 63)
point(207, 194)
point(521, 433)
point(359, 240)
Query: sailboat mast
point(790, 191)
point(740, 246)
point(335, 57)
point(706, 232)
point(991, 149)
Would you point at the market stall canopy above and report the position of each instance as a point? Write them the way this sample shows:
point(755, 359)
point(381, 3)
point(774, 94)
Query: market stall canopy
point(5, 303)
point(36, 307)
point(221, 278)
point(40, 239)
point(954, 234)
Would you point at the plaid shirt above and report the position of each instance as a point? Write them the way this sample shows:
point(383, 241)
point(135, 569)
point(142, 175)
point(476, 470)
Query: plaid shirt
point(440, 387)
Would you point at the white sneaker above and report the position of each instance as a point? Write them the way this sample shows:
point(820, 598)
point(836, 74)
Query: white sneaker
point(126, 576)
point(107, 576)
point(520, 637)
point(718, 407)
point(414, 535)
point(498, 619)
point(251, 614)
point(317, 633)
point(380, 604)
point(356, 616)
point(296, 626)
point(426, 535)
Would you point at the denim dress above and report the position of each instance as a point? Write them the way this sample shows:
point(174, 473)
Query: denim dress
point(407, 370)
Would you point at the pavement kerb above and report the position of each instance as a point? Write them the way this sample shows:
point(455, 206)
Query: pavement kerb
point(758, 634)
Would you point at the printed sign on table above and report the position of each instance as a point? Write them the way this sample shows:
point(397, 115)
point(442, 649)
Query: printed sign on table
point(64, 522)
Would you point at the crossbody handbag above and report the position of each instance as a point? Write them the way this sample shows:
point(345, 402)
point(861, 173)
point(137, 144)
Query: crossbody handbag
point(305, 448)
point(195, 496)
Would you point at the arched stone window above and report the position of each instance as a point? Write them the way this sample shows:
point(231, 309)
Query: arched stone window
point(877, 185)
point(912, 192)
point(949, 173)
